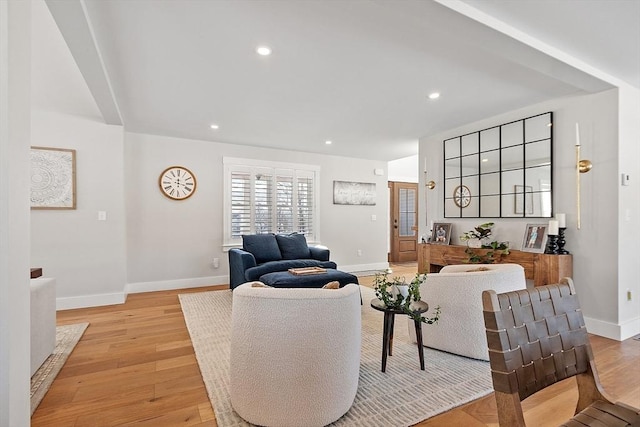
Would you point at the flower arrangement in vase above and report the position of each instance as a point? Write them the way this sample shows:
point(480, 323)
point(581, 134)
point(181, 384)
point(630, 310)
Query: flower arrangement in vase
point(399, 295)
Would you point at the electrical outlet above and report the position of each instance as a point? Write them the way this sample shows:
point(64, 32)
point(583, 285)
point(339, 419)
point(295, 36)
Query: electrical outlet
point(625, 179)
point(359, 252)
point(216, 262)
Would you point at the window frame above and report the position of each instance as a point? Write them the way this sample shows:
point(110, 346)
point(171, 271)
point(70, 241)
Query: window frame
point(253, 166)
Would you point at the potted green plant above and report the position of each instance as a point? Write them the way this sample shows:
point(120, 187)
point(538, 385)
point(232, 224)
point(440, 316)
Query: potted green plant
point(497, 250)
point(398, 294)
point(475, 237)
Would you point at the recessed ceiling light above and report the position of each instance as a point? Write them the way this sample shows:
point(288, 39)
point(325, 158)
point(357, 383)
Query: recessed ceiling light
point(434, 95)
point(485, 160)
point(328, 142)
point(263, 50)
point(214, 126)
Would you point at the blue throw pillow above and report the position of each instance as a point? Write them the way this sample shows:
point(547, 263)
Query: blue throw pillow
point(264, 247)
point(293, 246)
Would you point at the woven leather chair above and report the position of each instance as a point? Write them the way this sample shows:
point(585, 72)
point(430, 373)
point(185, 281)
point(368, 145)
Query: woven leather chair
point(536, 338)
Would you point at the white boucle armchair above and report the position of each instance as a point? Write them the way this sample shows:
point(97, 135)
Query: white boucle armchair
point(295, 354)
point(458, 292)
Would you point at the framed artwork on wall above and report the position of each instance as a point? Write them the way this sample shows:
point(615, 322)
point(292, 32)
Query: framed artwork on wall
point(354, 193)
point(535, 238)
point(53, 178)
point(441, 234)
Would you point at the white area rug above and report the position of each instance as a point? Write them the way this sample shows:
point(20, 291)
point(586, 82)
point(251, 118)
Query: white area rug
point(66, 339)
point(402, 396)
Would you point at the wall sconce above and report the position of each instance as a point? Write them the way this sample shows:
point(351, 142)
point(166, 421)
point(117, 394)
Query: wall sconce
point(430, 184)
point(582, 166)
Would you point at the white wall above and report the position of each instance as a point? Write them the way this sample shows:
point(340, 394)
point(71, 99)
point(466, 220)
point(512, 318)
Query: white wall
point(15, 80)
point(405, 169)
point(172, 244)
point(599, 276)
point(629, 210)
point(86, 256)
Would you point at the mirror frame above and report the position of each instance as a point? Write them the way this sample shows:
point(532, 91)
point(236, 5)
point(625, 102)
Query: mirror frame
point(507, 190)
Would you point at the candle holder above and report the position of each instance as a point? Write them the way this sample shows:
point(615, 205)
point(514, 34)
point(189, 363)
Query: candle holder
point(552, 245)
point(562, 242)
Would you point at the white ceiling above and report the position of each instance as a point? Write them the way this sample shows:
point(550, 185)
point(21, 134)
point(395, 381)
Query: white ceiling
point(356, 72)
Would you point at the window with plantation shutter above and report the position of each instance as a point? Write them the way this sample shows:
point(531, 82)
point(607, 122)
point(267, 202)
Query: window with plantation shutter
point(269, 197)
point(305, 205)
point(263, 202)
point(284, 204)
point(241, 203)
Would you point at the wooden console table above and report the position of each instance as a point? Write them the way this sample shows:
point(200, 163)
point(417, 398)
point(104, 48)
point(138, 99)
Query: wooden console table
point(543, 269)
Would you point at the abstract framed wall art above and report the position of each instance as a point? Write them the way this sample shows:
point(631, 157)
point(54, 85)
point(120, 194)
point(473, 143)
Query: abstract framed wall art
point(53, 178)
point(354, 193)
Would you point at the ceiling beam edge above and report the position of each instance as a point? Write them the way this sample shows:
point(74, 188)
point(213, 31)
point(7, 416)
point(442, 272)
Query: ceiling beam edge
point(563, 66)
point(73, 22)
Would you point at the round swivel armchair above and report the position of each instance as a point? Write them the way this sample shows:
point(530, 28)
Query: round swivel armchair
point(295, 354)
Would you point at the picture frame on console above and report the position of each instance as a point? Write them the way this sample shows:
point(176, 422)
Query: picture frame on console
point(535, 238)
point(441, 234)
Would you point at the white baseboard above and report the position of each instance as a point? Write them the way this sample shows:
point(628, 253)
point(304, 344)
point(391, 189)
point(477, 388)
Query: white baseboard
point(84, 301)
point(166, 285)
point(630, 328)
point(614, 331)
point(364, 267)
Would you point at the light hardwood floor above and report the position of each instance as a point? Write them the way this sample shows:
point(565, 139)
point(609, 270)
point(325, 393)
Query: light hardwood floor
point(135, 365)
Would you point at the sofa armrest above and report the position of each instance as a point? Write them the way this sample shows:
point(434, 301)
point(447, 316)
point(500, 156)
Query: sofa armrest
point(319, 252)
point(239, 261)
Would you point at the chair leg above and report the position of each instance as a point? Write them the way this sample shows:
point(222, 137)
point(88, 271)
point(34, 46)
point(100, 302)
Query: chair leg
point(393, 320)
point(509, 410)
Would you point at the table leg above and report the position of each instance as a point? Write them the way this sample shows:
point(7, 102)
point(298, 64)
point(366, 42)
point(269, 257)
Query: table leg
point(393, 324)
point(418, 325)
point(386, 333)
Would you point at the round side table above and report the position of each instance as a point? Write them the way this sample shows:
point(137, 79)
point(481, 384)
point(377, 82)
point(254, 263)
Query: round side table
point(389, 320)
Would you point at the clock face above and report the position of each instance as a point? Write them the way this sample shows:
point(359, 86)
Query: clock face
point(462, 196)
point(177, 183)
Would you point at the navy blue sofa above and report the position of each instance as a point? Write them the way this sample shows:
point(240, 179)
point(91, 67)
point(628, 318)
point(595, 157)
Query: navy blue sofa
point(268, 253)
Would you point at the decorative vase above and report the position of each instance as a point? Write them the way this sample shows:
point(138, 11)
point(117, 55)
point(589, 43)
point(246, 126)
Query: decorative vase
point(474, 243)
point(401, 289)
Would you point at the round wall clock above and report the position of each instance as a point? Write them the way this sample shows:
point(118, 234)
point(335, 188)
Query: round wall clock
point(462, 196)
point(177, 183)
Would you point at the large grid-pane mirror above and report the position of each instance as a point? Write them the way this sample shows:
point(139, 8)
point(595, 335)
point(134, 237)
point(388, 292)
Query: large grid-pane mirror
point(501, 172)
